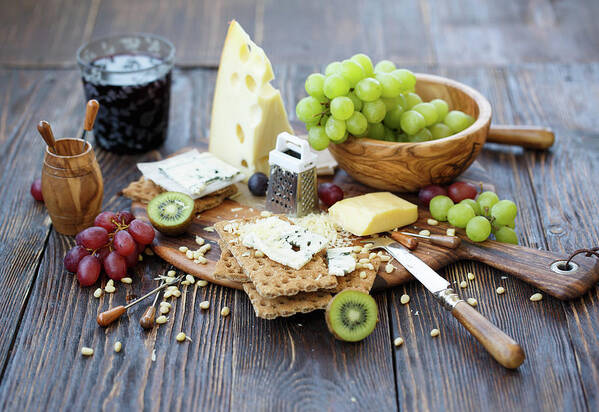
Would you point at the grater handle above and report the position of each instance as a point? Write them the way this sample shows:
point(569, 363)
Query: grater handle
point(288, 141)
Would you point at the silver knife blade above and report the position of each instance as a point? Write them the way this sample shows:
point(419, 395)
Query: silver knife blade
point(421, 271)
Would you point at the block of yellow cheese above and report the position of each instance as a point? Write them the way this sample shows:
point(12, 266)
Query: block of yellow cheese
point(373, 213)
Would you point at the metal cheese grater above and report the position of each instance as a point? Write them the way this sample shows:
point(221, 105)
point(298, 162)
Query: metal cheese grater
point(292, 183)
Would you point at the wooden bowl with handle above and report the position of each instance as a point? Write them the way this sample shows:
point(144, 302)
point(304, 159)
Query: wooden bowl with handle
point(406, 167)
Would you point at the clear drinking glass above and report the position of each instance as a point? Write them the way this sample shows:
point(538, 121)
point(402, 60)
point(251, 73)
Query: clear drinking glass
point(130, 76)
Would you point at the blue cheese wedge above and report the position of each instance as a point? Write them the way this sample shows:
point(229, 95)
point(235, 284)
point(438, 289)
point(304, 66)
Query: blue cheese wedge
point(287, 244)
point(193, 173)
point(341, 261)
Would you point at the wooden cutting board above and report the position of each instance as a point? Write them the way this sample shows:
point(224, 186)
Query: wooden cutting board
point(530, 265)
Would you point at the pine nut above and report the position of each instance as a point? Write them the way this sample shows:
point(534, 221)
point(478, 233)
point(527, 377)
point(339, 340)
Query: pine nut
point(190, 279)
point(205, 248)
point(177, 293)
point(500, 290)
point(389, 268)
point(398, 342)
point(200, 240)
point(450, 232)
point(85, 351)
point(363, 275)
point(189, 254)
point(435, 333)
point(470, 276)
point(110, 282)
point(357, 249)
point(164, 310)
point(209, 229)
point(265, 213)
point(225, 311)
point(185, 283)
point(161, 319)
point(181, 337)
point(127, 281)
point(164, 303)
point(472, 302)
point(149, 252)
point(202, 283)
point(385, 258)
point(432, 222)
point(118, 346)
point(404, 299)
point(98, 293)
point(109, 289)
point(171, 273)
point(205, 305)
point(425, 232)
point(140, 258)
point(536, 297)
point(167, 294)
point(363, 260)
point(183, 249)
point(369, 266)
point(372, 255)
point(463, 284)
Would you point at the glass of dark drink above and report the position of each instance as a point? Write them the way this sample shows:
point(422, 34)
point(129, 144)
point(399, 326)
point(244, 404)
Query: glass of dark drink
point(130, 75)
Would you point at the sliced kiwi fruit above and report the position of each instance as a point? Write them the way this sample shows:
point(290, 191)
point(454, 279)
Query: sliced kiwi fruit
point(171, 212)
point(351, 315)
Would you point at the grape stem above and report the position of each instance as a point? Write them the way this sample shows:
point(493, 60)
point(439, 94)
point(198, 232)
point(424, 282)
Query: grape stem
point(119, 226)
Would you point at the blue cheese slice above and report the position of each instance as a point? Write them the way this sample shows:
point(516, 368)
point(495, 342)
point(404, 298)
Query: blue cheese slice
point(287, 244)
point(193, 173)
point(341, 261)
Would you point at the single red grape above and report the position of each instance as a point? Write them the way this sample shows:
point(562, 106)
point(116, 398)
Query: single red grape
point(329, 193)
point(141, 231)
point(125, 217)
point(132, 259)
point(123, 243)
point(36, 190)
point(102, 253)
point(459, 191)
point(93, 237)
point(88, 270)
point(73, 257)
point(140, 248)
point(104, 220)
point(428, 192)
point(115, 266)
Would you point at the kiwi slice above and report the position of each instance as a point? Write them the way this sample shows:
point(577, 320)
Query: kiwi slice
point(351, 315)
point(171, 212)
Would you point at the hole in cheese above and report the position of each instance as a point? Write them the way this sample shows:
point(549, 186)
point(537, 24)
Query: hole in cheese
point(244, 52)
point(235, 79)
point(239, 132)
point(250, 83)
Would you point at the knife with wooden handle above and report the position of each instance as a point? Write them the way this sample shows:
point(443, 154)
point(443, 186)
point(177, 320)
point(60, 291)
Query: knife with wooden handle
point(500, 346)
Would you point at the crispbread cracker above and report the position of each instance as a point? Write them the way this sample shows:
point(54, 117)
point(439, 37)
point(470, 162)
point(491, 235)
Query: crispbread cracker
point(144, 190)
point(227, 267)
point(353, 279)
point(270, 278)
point(285, 305)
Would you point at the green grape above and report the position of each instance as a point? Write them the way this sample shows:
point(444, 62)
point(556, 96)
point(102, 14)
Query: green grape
point(506, 235)
point(343, 138)
point(356, 101)
point(365, 62)
point(423, 135)
point(485, 201)
point(389, 135)
point(317, 137)
point(307, 109)
point(406, 78)
point(332, 68)
point(342, 108)
point(335, 129)
point(310, 125)
point(314, 84)
point(401, 137)
point(412, 122)
point(428, 111)
point(472, 204)
point(384, 66)
point(390, 102)
point(393, 117)
point(458, 121)
point(412, 99)
point(442, 108)
point(478, 229)
point(391, 86)
point(357, 124)
point(374, 111)
point(352, 71)
point(368, 89)
point(439, 206)
point(504, 212)
point(376, 131)
point(335, 85)
point(459, 215)
point(440, 130)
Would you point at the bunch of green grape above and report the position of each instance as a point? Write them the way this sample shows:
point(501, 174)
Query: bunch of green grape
point(481, 217)
point(354, 98)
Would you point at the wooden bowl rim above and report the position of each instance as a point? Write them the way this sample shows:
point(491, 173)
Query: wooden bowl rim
point(482, 121)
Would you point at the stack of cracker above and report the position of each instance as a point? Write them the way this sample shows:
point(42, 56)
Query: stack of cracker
point(277, 290)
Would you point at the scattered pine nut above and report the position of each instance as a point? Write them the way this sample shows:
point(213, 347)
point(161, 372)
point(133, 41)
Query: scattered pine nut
point(118, 346)
point(167, 294)
point(357, 249)
point(205, 248)
point(500, 290)
point(149, 252)
point(432, 222)
point(200, 240)
point(164, 310)
point(171, 273)
point(177, 293)
point(85, 351)
point(363, 260)
point(209, 229)
point(389, 268)
point(127, 280)
point(181, 337)
point(109, 289)
point(201, 260)
point(161, 319)
point(369, 266)
point(372, 255)
point(140, 258)
point(202, 283)
point(205, 305)
point(183, 249)
point(185, 283)
point(472, 302)
point(265, 213)
point(385, 258)
point(164, 303)
point(470, 276)
point(98, 293)
point(363, 275)
point(110, 282)
point(435, 333)
point(190, 278)
point(536, 297)
point(398, 342)
point(189, 254)
point(463, 284)
point(404, 299)
point(225, 311)
point(425, 232)
point(450, 232)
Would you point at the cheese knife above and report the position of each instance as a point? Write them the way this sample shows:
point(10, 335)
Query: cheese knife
point(500, 346)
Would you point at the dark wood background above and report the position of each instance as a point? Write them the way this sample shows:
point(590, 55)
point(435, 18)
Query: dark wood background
point(538, 63)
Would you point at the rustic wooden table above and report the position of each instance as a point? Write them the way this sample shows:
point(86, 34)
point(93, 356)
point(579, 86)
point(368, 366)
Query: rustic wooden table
point(536, 61)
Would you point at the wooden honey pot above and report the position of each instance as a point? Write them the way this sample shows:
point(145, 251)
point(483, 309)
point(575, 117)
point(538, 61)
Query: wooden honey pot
point(72, 185)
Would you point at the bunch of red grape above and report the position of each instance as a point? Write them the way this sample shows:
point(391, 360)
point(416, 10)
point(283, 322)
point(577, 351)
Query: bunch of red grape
point(114, 243)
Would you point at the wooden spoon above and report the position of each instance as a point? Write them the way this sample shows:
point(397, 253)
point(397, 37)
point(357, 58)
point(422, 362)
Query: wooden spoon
point(46, 131)
point(529, 137)
point(91, 111)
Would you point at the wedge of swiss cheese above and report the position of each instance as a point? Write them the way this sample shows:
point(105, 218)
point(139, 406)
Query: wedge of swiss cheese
point(247, 111)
